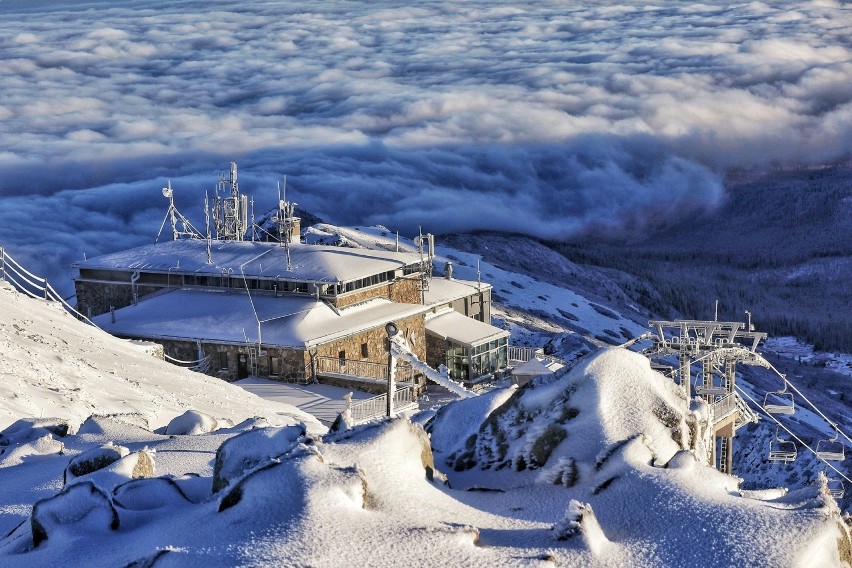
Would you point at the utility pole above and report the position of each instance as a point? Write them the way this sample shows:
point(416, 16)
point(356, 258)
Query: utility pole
point(391, 330)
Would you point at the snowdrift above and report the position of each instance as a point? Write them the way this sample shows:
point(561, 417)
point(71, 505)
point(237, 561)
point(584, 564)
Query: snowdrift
point(55, 366)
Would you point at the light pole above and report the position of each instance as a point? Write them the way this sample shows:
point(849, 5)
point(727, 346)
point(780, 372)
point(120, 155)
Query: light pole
point(391, 330)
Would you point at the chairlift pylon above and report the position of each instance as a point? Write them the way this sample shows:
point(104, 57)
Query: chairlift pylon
point(781, 450)
point(831, 449)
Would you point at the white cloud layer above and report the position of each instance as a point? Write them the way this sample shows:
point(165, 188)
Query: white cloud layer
point(544, 119)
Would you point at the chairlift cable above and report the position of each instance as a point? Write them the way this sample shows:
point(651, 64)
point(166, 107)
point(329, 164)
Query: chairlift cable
point(792, 435)
point(831, 423)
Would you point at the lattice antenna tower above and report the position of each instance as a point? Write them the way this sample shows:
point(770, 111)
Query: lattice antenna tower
point(230, 208)
point(181, 227)
point(286, 211)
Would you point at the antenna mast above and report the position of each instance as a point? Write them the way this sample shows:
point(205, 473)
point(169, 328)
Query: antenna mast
point(230, 214)
point(286, 211)
point(207, 222)
point(176, 216)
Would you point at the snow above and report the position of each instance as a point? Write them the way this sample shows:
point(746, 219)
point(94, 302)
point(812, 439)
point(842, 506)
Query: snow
point(308, 263)
point(458, 328)
point(229, 317)
point(57, 367)
point(608, 450)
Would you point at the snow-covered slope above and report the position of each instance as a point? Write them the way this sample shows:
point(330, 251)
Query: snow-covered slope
point(54, 366)
point(610, 434)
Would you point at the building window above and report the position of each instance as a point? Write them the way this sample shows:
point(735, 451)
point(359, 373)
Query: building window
point(365, 351)
point(223, 360)
point(341, 356)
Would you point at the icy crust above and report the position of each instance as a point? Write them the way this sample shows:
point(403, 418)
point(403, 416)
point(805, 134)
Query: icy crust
point(55, 366)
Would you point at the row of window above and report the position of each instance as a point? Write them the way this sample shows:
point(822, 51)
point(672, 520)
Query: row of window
point(472, 362)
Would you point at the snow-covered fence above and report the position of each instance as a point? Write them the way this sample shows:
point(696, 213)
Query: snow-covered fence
point(368, 369)
point(200, 365)
point(403, 399)
point(31, 285)
point(523, 354)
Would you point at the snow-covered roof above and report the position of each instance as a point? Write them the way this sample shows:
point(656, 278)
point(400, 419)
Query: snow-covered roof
point(459, 328)
point(442, 290)
point(535, 367)
point(309, 263)
point(228, 317)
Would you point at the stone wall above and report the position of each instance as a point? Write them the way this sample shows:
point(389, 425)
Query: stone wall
point(401, 290)
point(436, 351)
point(413, 328)
point(406, 290)
point(293, 362)
point(99, 296)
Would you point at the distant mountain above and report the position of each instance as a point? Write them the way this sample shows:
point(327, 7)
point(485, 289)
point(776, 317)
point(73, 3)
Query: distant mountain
point(780, 247)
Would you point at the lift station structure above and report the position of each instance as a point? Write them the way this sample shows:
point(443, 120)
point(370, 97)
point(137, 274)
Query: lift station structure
point(715, 347)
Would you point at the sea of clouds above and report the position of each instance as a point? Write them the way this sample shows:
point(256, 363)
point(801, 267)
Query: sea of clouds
point(547, 119)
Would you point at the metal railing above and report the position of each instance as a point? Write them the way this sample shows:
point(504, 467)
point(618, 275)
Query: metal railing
point(523, 354)
point(31, 285)
point(366, 369)
point(724, 407)
point(403, 399)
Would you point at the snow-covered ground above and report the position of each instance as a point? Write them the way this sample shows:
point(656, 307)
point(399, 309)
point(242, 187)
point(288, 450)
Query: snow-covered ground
point(110, 456)
point(792, 348)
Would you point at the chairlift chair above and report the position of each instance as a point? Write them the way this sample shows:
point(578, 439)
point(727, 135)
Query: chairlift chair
point(831, 449)
point(779, 402)
point(712, 390)
point(781, 450)
point(835, 485)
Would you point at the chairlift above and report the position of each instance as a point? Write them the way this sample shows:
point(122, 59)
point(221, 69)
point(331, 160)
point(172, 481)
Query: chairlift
point(835, 485)
point(831, 449)
point(779, 402)
point(781, 450)
point(710, 390)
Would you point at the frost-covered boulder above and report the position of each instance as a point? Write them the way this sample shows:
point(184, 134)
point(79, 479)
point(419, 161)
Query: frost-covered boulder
point(32, 437)
point(300, 481)
point(239, 455)
point(115, 425)
point(92, 460)
point(343, 422)
point(134, 465)
point(45, 445)
point(580, 521)
point(81, 509)
point(29, 429)
point(191, 423)
point(150, 494)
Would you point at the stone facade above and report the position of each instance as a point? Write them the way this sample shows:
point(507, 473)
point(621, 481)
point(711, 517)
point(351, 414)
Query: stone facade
point(99, 296)
point(233, 362)
point(436, 351)
point(412, 328)
point(401, 290)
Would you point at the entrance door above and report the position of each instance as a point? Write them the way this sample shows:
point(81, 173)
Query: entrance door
point(242, 366)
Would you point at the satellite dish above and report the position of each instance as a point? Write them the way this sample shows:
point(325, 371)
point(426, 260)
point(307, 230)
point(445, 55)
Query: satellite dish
point(167, 192)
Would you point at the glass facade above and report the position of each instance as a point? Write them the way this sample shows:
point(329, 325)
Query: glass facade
point(467, 363)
